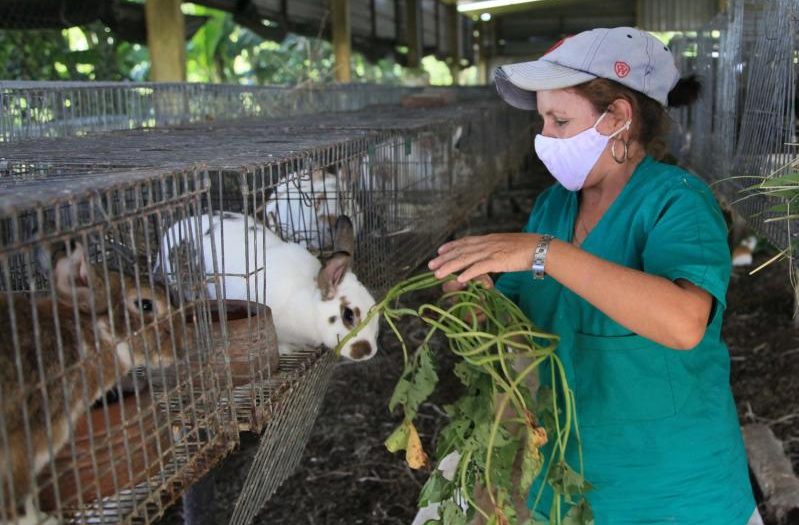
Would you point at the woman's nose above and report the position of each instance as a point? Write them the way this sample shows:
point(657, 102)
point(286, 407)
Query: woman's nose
point(547, 130)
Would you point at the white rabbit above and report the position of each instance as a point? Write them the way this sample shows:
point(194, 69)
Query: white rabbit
point(311, 304)
point(304, 208)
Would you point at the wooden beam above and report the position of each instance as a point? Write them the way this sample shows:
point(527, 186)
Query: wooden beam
point(166, 40)
point(773, 472)
point(342, 42)
point(413, 31)
point(454, 29)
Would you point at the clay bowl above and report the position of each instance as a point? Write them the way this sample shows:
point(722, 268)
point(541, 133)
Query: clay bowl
point(128, 448)
point(252, 340)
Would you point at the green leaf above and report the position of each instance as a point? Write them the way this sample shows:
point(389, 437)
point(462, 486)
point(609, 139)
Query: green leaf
point(567, 481)
point(451, 513)
point(416, 384)
point(792, 179)
point(398, 440)
point(543, 407)
point(466, 373)
point(580, 514)
point(452, 436)
point(400, 395)
point(437, 488)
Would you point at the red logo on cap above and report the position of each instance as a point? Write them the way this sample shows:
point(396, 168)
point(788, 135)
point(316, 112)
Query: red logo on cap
point(622, 69)
point(557, 45)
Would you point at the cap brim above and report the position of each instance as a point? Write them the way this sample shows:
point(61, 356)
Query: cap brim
point(517, 83)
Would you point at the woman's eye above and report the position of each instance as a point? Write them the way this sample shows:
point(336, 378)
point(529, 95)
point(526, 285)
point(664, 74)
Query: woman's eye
point(561, 122)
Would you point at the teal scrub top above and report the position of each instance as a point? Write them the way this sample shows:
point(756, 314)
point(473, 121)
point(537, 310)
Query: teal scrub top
point(660, 435)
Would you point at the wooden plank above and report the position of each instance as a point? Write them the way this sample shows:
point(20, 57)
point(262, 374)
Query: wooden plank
point(386, 23)
point(773, 472)
point(340, 14)
point(428, 24)
point(165, 38)
point(413, 32)
point(454, 33)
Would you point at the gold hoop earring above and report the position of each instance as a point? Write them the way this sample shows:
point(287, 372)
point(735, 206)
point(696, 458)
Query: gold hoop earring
point(613, 151)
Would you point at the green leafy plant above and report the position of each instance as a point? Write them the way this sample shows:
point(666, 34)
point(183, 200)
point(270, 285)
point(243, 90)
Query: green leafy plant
point(497, 418)
point(782, 187)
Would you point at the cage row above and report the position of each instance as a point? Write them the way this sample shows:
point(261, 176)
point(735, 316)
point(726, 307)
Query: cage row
point(210, 273)
point(30, 110)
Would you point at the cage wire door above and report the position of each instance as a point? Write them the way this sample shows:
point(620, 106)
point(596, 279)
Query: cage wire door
point(743, 129)
point(110, 403)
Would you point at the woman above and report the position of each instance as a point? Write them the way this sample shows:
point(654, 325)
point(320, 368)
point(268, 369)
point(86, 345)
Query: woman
point(627, 260)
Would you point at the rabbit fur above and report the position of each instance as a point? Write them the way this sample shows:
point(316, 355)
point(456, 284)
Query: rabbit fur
point(304, 208)
point(94, 357)
point(312, 304)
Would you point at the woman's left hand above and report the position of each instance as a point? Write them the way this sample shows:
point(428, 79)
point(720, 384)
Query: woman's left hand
point(498, 252)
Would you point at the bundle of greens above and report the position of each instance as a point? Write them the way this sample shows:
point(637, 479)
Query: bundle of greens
point(498, 419)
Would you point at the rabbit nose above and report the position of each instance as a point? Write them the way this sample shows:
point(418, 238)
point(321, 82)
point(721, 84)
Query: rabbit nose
point(360, 350)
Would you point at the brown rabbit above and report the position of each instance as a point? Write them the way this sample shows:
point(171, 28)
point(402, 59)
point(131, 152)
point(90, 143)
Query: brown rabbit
point(133, 328)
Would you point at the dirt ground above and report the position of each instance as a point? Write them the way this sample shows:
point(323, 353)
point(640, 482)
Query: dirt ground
point(346, 476)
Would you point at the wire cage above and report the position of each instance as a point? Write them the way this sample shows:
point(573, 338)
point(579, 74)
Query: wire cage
point(84, 310)
point(30, 110)
point(276, 189)
point(743, 128)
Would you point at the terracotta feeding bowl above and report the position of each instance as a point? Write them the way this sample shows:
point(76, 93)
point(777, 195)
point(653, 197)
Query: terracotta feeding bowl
point(252, 340)
point(127, 446)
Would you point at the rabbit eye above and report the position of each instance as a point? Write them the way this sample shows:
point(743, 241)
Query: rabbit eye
point(145, 305)
point(348, 317)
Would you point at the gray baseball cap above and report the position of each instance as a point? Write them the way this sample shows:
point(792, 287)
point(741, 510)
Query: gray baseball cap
point(627, 55)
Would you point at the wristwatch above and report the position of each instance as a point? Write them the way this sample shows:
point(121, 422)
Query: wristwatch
point(540, 256)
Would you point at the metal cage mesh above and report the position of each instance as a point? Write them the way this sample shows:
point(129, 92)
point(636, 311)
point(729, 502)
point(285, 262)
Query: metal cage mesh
point(405, 178)
point(83, 309)
point(59, 109)
point(743, 128)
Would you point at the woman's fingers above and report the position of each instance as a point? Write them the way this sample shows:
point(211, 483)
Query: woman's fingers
point(463, 259)
point(447, 246)
point(456, 252)
point(474, 271)
point(496, 253)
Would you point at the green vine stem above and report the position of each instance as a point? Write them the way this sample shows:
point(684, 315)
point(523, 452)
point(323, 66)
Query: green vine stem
point(490, 334)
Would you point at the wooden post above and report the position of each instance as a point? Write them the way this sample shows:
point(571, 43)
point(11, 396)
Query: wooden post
point(454, 42)
point(413, 14)
point(166, 40)
point(482, 54)
point(773, 472)
point(340, 16)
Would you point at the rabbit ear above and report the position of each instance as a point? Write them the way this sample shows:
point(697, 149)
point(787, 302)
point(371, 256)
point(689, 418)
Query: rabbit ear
point(344, 236)
point(332, 273)
point(73, 267)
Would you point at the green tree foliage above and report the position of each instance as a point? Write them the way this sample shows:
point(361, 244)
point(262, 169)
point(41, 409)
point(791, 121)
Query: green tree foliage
point(87, 53)
point(221, 51)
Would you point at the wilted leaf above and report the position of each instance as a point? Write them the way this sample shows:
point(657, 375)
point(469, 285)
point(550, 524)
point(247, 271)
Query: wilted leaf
point(580, 514)
point(414, 453)
point(566, 481)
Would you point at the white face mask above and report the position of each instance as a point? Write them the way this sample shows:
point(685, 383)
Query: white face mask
point(570, 160)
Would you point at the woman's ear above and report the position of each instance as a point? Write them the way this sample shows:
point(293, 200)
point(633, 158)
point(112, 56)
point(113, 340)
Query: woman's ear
point(620, 112)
